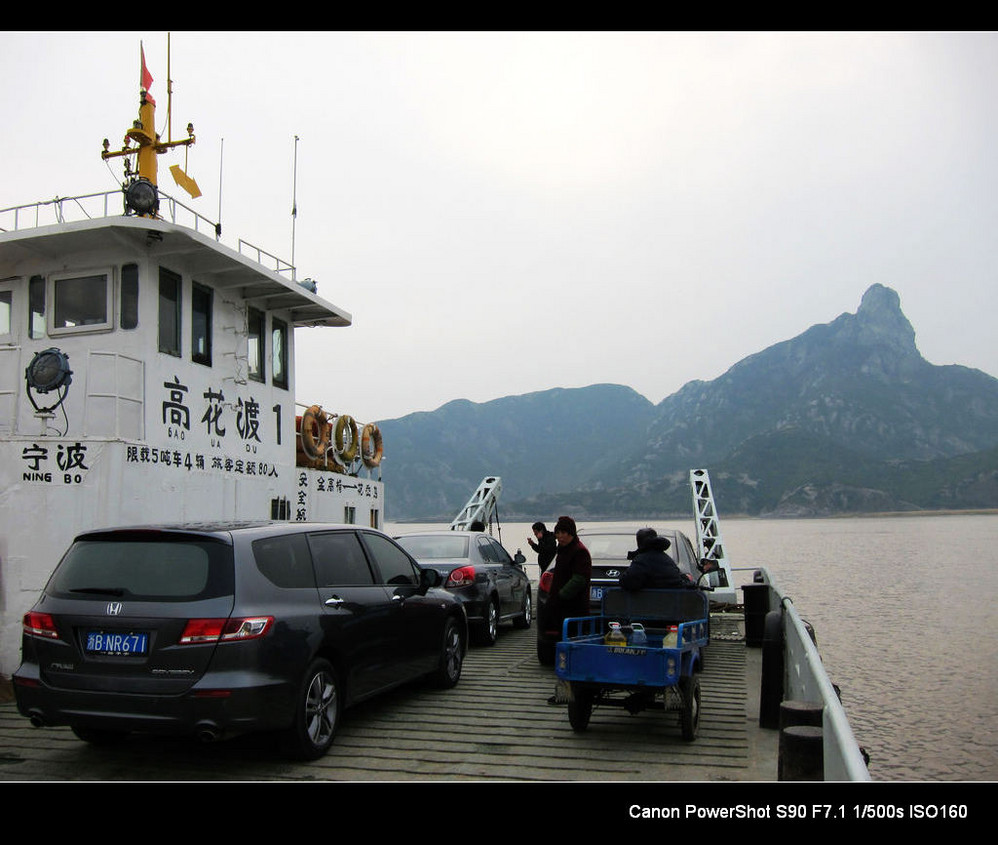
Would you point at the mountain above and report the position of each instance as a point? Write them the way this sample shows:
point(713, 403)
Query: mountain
point(435, 460)
point(846, 417)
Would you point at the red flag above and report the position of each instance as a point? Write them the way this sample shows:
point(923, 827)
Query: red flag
point(145, 81)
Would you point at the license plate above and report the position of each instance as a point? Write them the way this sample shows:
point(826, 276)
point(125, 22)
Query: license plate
point(117, 643)
point(595, 594)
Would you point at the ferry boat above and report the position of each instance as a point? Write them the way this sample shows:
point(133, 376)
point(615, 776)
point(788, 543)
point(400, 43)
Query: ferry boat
point(147, 373)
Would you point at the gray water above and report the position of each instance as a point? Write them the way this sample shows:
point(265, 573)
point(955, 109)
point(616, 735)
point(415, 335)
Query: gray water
point(904, 613)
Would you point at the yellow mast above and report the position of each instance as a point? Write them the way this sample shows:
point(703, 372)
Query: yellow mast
point(143, 133)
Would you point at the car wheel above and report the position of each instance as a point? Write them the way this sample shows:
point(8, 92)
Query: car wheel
point(689, 719)
point(451, 657)
point(580, 708)
point(317, 713)
point(527, 616)
point(488, 631)
point(545, 653)
point(99, 736)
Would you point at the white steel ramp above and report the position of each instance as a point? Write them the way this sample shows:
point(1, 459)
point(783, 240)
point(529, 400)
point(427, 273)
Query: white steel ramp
point(709, 543)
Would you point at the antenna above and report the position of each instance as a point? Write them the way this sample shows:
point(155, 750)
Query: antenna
point(221, 151)
point(294, 209)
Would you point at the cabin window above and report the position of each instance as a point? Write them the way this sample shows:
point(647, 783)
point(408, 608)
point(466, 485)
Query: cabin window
point(255, 330)
point(81, 303)
point(6, 313)
point(375, 518)
point(279, 336)
point(36, 307)
point(129, 316)
point(169, 312)
point(201, 304)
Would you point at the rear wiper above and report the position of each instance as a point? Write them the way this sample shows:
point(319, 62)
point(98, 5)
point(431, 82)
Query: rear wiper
point(106, 591)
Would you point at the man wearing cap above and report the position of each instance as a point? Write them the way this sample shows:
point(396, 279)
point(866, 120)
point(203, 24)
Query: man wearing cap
point(572, 570)
point(573, 567)
point(651, 568)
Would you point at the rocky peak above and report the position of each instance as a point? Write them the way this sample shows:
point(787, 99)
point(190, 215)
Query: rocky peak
point(879, 322)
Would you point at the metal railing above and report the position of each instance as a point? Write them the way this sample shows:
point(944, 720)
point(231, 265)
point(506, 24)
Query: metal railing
point(99, 205)
point(805, 679)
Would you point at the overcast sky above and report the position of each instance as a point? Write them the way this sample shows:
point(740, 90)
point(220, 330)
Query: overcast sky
point(509, 212)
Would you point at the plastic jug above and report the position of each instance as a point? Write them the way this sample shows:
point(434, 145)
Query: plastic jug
point(615, 636)
point(638, 635)
point(671, 639)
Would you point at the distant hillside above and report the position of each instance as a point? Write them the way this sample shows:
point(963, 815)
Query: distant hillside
point(845, 418)
point(553, 440)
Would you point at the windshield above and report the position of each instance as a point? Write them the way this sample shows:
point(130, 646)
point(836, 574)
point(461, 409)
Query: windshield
point(157, 568)
point(435, 547)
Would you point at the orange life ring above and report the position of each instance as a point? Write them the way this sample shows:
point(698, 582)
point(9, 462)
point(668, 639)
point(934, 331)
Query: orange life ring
point(315, 419)
point(371, 456)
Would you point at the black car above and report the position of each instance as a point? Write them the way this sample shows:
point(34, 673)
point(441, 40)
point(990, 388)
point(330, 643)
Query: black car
point(609, 550)
point(490, 582)
point(218, 630)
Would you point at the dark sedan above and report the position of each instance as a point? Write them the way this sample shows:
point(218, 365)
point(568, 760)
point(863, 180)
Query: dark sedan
point(490, 582)
point(609, 550)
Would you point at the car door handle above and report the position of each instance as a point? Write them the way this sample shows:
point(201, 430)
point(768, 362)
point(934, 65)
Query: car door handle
point(334, 601)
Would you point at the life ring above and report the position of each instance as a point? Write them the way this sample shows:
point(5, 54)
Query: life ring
point(345, 445)
point(313, 420)
point(371, 435)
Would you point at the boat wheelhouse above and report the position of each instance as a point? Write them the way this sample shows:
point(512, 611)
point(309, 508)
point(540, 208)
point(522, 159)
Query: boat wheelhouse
point(147, 375)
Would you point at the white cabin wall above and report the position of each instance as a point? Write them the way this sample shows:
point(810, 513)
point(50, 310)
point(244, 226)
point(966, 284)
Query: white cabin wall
point(113, 455)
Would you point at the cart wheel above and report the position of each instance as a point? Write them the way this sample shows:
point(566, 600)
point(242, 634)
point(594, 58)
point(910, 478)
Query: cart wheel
point(689, 719)
point(580, 708)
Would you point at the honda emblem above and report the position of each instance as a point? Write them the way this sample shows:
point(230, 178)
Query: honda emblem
point(114, 608)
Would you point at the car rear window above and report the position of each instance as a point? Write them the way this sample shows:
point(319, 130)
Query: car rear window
point(435, 548)
point(609, 545)
point(145, 568)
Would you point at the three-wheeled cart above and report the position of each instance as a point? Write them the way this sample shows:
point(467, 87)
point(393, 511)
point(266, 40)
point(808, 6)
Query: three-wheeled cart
point(654, 675)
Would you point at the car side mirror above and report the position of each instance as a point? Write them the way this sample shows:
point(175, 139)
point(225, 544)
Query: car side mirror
point(707, 565)
point(519, 558)
point(429, 578)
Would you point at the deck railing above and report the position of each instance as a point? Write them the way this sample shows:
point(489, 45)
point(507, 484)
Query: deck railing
point(805, 679)
point(110, 204)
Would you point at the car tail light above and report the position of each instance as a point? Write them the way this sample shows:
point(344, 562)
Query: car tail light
point(544, 585)
point(40, 625)
point(461, 577)
point(224, 630)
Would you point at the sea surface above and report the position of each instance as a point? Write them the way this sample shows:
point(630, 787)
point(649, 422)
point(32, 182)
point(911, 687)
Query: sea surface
point(904, 611)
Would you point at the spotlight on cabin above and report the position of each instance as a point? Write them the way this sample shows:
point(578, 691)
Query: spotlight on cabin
point(48, 371)
point(141, 197)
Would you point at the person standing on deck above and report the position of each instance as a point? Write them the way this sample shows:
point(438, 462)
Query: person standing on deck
point(573, 568)
point(572, 571)
point(546, 545)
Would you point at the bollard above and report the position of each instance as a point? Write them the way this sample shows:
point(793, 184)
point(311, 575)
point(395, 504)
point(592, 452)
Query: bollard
point(771, 686)
point(756, 601)
point(801, 755)
point(801, 713)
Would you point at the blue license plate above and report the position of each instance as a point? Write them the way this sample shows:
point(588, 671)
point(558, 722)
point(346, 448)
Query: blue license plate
point(130, 643)
point(595, 594)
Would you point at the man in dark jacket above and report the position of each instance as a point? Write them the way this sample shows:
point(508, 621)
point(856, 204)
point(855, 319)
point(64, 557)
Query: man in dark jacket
point(546, 546)
point(651, 568)
point(573, 569)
